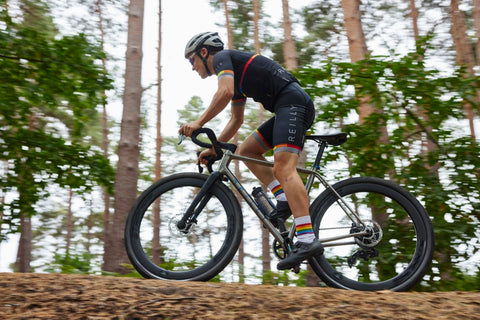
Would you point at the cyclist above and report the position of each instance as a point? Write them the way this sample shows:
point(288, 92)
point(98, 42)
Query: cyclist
point(241, 75)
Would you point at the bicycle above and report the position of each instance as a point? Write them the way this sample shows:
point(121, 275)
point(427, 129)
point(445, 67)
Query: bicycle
point(376, 235)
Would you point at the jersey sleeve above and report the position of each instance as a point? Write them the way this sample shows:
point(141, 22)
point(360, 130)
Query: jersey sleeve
point(223, 66)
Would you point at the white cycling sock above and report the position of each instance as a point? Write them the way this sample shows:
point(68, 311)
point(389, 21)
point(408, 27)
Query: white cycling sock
point(303, 226)
point(277, 190)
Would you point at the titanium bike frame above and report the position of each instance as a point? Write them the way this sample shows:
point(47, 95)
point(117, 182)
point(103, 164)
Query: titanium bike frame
point(312, 174)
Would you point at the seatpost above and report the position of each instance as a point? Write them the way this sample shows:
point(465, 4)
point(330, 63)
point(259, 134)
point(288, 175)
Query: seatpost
point(316, 165)
point(321, 147)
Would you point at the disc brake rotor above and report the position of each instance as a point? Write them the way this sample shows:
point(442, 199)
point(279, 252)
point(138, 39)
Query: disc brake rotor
point(374, 234)
point(175, 231)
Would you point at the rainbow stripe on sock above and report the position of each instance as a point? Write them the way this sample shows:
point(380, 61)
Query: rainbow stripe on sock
point(277, 190)
point(303, 229)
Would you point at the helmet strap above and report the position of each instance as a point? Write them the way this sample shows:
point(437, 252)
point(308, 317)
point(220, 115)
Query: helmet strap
point(204, 60)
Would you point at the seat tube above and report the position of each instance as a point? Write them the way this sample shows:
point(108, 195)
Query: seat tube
point(316, 165)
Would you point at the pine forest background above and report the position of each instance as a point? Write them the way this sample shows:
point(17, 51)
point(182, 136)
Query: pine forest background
point(84, 129)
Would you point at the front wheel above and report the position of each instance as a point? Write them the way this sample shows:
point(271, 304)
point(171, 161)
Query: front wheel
point(396, 252)
point(159, 249)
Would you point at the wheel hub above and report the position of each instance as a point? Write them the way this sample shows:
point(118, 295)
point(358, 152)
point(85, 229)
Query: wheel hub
point(174, 230)
point(373, 236)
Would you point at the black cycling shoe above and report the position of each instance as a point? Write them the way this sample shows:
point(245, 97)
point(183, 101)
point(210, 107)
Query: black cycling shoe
point(301, 251)
point(283, 212)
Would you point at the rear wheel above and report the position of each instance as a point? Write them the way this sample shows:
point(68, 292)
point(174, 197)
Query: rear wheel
point(398, 247)
point(157, 248)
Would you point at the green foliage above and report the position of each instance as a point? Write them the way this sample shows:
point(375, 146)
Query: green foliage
point(71, 264)
point(413, 105)
point(241, 13)
point(49, 89)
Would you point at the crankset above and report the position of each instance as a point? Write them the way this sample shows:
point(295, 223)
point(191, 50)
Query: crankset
point(279, 251)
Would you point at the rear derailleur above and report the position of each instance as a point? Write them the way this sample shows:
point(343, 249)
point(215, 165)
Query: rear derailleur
point(366, 242)
point(364, 253)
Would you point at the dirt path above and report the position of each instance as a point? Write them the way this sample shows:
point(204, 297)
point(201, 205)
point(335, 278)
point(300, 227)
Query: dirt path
point(58, 296)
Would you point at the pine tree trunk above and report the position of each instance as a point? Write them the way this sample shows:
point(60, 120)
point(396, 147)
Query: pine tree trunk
point(105, 130)
point(357, 44)
point(3, 169)
point(464, 53)
point(227, 24)
point(414, 15)
point(476, 23)
point(353, 26)
point(256, 29)
point(156, 245)
point(90, 223)
point(24, 253)
point(289, 48)
point(128, 148)
point(69, 223)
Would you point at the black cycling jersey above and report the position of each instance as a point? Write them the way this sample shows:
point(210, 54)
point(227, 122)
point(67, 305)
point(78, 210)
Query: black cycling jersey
point(269, 83)
point(255, 76)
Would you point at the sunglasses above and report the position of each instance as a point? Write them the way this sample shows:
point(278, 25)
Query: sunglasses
point(191, 59)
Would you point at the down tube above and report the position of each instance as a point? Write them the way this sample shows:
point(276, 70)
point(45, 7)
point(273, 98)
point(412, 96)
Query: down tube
point(239, 187)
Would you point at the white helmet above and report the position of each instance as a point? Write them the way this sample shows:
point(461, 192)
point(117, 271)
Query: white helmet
point(211, 40)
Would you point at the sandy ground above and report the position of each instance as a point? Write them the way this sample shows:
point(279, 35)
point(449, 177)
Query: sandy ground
point(59, 296)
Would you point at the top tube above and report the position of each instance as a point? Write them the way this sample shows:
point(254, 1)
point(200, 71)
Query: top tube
point(323, 140)
point(335, 139)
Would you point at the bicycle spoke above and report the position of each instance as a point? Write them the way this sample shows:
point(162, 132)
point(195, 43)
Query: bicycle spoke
point(391, 258)
point(392, 247)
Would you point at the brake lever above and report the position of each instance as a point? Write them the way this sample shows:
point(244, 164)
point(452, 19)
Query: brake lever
point(181, 138)
point(209, 165)
point(200, 168)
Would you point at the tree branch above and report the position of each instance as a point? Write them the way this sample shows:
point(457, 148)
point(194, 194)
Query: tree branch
point(19, 58)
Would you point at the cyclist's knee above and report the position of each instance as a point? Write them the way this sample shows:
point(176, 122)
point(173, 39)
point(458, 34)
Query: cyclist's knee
point(250, 147)
point(241, 149)
point(285, 165)
point(283, 173)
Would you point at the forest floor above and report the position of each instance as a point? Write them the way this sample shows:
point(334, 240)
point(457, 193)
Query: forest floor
point(59, 296)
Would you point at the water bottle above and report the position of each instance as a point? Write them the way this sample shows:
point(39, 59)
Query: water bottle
point(263, 202)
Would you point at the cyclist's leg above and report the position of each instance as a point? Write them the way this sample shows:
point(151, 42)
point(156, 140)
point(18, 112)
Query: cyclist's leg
point(294, 114)
point(255, 147)
point(285, 170)
point(292, 122)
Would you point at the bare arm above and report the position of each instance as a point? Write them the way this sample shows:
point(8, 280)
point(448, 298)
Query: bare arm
point(233, 124)
point(220, 100)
